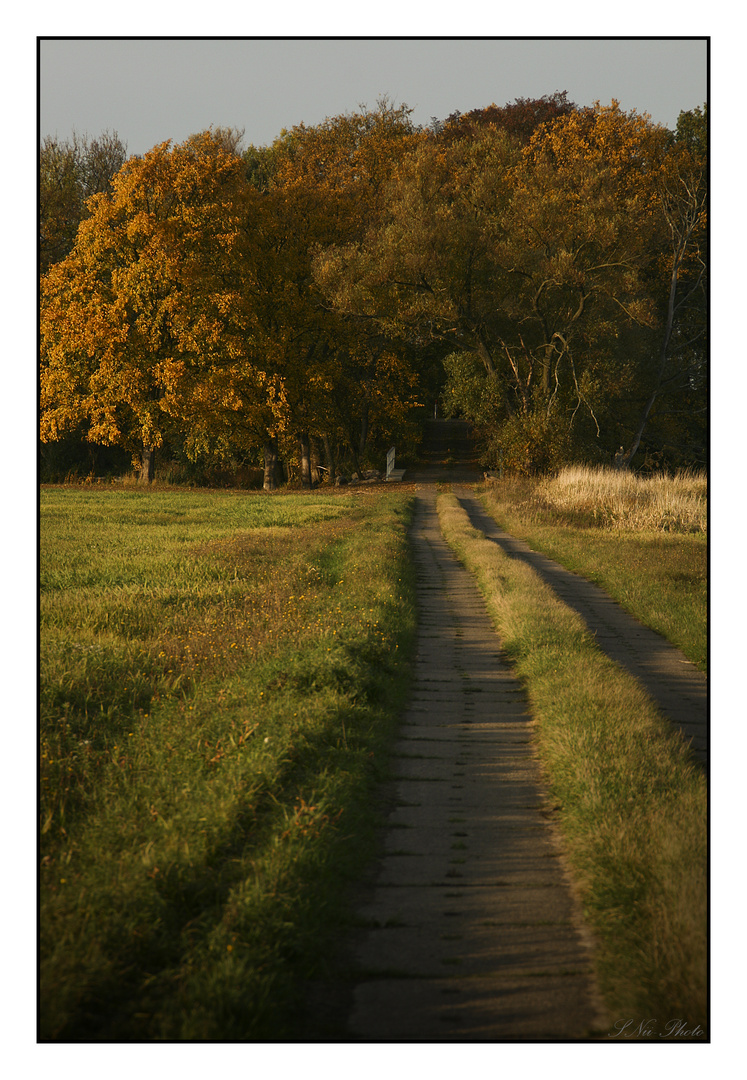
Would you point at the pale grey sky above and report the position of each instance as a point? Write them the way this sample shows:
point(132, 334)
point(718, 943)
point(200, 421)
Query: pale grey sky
point(150, 90)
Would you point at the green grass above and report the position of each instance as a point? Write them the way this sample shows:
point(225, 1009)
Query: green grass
point(221, 676)
point(632, 804)
point(659, 576)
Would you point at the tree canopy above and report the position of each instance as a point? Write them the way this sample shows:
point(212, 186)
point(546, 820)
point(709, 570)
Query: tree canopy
point(540, 268)
point(137, 321)
point(544, 266)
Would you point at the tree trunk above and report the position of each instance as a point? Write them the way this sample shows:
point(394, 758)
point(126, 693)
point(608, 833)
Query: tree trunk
point(484, 353)
point(546, 369)
point(663, 353)
point(271, 464)
point(622, 459)
point(364, 430)
point(316, 478)
point(148, 466)
point(354, 454)
point(329, 457)
point(305, 459)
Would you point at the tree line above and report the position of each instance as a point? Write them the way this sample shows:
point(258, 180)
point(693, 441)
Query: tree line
point(538, 269)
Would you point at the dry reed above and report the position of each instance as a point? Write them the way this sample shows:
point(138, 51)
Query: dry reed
point(622, 500)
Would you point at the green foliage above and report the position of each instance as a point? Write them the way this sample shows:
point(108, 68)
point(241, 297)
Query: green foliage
point(531, 444)
point(471, 392)
point(692, 130)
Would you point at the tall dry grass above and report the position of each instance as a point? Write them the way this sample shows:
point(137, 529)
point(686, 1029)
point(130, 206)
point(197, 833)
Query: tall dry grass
point(618, 499)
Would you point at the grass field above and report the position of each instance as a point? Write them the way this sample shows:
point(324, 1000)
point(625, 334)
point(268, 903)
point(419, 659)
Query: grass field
point(221, 676)
point(220, 679)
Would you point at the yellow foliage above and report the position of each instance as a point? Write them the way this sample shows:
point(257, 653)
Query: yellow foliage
point(128, 319)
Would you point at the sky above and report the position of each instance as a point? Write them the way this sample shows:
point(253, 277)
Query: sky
point(149, 90)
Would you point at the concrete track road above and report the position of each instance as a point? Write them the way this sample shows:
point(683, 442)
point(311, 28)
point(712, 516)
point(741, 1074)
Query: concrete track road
point(475, 933)
point(473, 929)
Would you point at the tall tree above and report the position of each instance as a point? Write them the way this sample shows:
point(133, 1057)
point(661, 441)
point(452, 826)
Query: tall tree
point(528, 260)
point(428, 271)
point(320, 186)
point(677, 352)
point(519, 119)
point(138, 321)
point(582, 233)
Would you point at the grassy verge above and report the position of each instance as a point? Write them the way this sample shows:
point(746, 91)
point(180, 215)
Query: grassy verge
point(221, 676)
point(631, 804)
point(659, 575)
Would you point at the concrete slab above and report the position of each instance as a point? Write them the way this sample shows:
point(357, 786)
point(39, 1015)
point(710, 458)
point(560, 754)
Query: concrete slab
point(473, 950)
point(509, 1008)
point(458, 910)
point(408, 871)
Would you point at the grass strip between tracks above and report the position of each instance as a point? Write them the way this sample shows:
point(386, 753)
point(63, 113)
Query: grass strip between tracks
point(631, 803)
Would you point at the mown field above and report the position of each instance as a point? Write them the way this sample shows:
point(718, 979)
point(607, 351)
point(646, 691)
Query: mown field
point(220, 676)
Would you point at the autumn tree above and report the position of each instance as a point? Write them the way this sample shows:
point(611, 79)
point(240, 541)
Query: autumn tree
point(429, 272)
point(633, 198)
point(519, 119)
point(320, 186)
point(523, 262)
point(138, 321)
point(691, 132)
point(583, 231)
point(187, 312)
point(675, 367)
point(295, 297)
